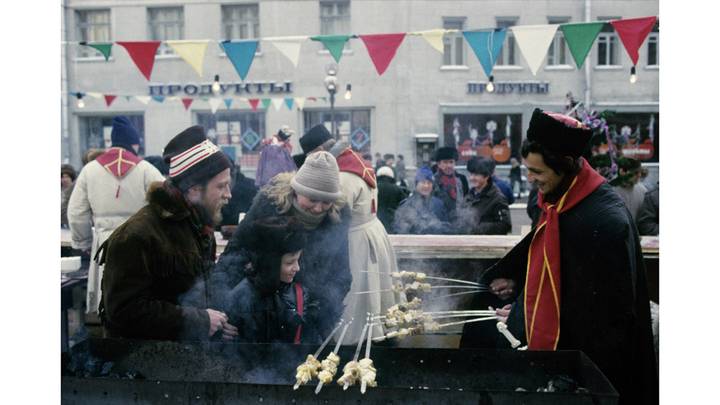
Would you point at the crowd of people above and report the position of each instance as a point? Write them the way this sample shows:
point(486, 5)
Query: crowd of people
point(312, 231)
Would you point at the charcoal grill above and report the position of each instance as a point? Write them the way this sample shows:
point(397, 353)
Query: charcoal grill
point(224, 373)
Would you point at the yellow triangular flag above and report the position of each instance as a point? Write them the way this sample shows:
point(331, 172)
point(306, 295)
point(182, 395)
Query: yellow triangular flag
point(143, 99)
point(300, 102)
point(434, 38)
point(277, 103)
point(192, 52)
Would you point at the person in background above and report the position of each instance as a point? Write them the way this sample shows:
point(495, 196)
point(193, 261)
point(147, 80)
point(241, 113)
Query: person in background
point(449, 185)
point(269, 305)
point(109, 189)
point(379, 162)
point(316, 139)
point(243, 193)
point(627, 185)
point(91, 154)
point(67, 183)
point(648, 218)
point(158, 263)
point(401, 172)
point(275, 156)
point(313, 197)
point(516, 177)
point(485, 211)
point(389, 159)
point(159, 164)
point(390, 195)
point(422, 213)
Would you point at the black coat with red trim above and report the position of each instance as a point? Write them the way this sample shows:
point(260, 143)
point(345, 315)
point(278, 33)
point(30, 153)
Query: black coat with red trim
point(604, 309)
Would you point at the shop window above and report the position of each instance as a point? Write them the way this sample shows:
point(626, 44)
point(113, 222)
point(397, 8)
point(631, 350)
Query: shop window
point(92, 26)
point(634, 135)
point(238, 133)
point(497, 136)
point(351, 124)
point(95, 131)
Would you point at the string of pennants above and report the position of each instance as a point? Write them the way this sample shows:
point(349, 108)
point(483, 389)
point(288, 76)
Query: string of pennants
point(214, 102)
point(532, 40)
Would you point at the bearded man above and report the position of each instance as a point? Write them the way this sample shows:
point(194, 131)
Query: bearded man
point(158, 263)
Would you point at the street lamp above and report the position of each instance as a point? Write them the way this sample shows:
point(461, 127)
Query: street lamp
point(331, 86)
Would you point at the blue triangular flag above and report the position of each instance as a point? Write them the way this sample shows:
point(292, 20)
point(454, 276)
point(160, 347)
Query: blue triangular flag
point(289, 102)
point(228, 103)
point(241, 54)
point(159, 99)
point(486, 45)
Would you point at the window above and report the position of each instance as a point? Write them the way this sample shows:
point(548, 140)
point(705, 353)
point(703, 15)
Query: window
point(166, 23)
point(454, 44)
point(507, 53)
point(335, 18)
point(557, 54)
point(496, 136)
point(653, 56)
point(92, 26)
point(353, 124)
point(607, 44)
point(238, 133)
point(95, 131)
point(241, 21)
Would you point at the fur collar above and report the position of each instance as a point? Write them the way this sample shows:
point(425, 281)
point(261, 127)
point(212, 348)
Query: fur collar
point(281, 194)
point(167, 200)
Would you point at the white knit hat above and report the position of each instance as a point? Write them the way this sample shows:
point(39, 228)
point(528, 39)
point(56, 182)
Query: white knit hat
point(386, 171)
point(318, 178)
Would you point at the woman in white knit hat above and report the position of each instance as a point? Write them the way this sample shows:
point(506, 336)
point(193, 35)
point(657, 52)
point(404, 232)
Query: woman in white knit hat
point(312, 196)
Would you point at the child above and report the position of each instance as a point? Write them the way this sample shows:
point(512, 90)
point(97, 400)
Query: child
point(268, 305)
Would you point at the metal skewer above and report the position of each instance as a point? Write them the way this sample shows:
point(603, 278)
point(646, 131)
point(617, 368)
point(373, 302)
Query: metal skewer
point(327, 340)
point(359, 346)
point(337, 347)
point(363, 384)
point(432, 278)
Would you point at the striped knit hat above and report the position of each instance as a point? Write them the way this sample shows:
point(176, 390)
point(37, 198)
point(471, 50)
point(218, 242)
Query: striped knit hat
point(193, 159)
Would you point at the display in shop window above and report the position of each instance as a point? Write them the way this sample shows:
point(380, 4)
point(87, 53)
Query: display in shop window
point(496, 136)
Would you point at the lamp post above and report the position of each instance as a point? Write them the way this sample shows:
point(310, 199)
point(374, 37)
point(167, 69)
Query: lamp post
point(331, 86)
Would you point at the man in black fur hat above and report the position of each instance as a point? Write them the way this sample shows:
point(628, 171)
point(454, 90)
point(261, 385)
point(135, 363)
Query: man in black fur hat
point(449, 186)
point(578, 279)
point(158, 263)
point(316, 139)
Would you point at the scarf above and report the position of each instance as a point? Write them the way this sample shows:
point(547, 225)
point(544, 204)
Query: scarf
point(310, 221)
point(448, 184)
point(542, 280)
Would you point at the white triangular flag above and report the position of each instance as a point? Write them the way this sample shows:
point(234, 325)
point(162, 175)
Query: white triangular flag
point(94, 94)
point(435, 38)
point(534, 41)
point(288, 46)
point(277, 103)
point(192, 52)
point(143, 99)
point(214, 104)
point(300, 102)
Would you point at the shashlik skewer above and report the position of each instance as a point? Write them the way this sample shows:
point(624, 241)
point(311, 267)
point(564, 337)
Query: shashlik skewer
point(419, 276)
point(329, 365)
point(427, 326)
point(308, 369)
point(459, 293)
point(416, 287)
point(367, 371)
point(351, 371)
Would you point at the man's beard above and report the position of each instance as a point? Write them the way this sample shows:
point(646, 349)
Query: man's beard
point(207, 216)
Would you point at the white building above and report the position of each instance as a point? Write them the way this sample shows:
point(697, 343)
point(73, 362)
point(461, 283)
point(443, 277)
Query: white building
point(422, 94)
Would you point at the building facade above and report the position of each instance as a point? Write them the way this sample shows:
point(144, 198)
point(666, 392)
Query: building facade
point(424, 100)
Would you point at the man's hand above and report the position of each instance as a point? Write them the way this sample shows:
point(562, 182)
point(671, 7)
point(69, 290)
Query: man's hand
point(219, 321)
point(502, 313)
point(502, 287)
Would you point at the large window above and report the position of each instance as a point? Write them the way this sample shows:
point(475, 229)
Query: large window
point(507, 53)
point(653, 46)
point(92, 26)
point(352, 124)
point(166, 23)
point(95, 131)
point(335, 18)
point(241, 21)
point(238, 133)
point(607, 44)
point(635, 135)
point(454, 44)
point(497, 136)
point(557, 54)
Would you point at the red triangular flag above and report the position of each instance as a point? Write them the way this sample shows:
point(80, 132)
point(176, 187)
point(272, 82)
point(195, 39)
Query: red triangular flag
point(254, 103)
point(382, 48)
point(143, 54)
point(109, 98)
point(633, 32)
point(186, 102)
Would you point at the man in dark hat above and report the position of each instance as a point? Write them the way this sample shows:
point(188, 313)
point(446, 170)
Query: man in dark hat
point(158, 263)
point(449, 186)
point(578, 279)
point(316, 139)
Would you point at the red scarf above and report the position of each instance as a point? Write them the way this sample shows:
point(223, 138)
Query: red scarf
point(542, 280)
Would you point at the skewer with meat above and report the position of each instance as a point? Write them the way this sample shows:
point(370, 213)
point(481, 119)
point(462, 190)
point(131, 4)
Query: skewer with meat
point(351, 371)
point(308, 369)
point(367, 371)
point(329, 365)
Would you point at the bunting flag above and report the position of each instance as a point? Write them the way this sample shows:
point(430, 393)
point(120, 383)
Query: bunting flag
point(186, 102)
point(109, 98)
point(278, 102)
point(534, 41)
point(289, 46)
point(94, 94)
point(435, 38)
point(143, 99)
point(265, 103)
point(333, 43)
point(580, 38)
point(159, 99)
point(300, 101)
point(103, 47)
point(253, 103)
point(289, 103)
point(214, 104)
point(143, 54)
point(382, 49)
point(241, 54)
point(192, 52)
point(127, 98)
point(228, 103)
point(486, 45)
point(632, 33)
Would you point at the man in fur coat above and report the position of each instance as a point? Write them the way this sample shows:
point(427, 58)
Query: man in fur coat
point(158, 263)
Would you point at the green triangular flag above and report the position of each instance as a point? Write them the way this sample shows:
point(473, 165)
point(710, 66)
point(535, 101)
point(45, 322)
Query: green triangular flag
point(580, 38)
point(103, 47)
point(266, 103)
point(334, 44)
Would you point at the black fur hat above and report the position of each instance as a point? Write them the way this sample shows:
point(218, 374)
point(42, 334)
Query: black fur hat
point(446, 153)
point(560, 134)
point(315, 137)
